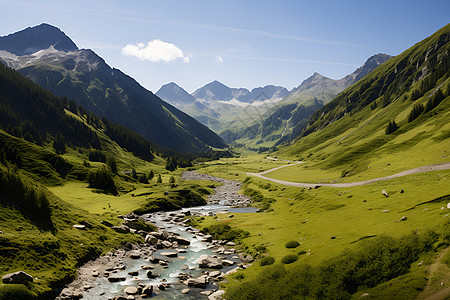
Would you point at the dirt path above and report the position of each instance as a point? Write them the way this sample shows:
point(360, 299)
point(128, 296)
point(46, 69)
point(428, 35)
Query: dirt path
point(435, 167)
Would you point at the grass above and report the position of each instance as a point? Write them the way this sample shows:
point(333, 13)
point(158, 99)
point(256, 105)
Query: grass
point(312, 217)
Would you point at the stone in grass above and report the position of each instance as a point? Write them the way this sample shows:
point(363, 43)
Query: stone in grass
point(217, 295)
point(17, 277)
point(185, 291)
point(403, 218)
point(385, 193)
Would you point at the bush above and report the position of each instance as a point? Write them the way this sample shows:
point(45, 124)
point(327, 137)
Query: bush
point(302, 252)
point(267, 260)
point(289, 259)
point(223, 231)
point(102, 179)
point(97, 155)
point(292, 244)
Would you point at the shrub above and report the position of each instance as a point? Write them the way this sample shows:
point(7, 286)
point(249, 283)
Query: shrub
point(301, 252)
point(97, 155)
point(289, 259)
point(267, 260)
point(292, 244)
point(101, 179)
point(223, 231)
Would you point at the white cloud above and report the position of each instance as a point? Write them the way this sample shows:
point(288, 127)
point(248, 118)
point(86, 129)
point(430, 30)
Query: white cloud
point(219, 59)
point(155, 51)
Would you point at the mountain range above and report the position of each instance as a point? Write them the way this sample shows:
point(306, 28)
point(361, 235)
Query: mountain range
point(287, 118)
point(50, 58)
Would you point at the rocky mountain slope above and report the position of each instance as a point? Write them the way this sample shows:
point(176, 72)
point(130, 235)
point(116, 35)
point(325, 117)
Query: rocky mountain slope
point(287, 118)
point(48, 57)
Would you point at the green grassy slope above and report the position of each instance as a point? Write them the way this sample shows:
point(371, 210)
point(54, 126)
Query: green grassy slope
point(347, 137)
point(44, 193)
point(353, 240)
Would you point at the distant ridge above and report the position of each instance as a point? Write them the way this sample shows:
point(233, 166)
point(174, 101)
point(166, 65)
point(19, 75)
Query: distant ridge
point(47, 56)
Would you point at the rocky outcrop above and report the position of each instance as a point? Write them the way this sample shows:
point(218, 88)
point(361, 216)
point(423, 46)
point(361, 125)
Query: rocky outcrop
point(17, 278)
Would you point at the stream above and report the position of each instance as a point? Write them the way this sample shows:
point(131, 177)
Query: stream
point(125, 274)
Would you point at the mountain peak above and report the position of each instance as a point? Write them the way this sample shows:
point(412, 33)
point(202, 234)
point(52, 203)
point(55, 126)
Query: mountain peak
point(174, 94)
point(33, 39)
point(370, 64)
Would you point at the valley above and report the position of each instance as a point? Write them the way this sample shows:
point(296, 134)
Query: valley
point(335, 189)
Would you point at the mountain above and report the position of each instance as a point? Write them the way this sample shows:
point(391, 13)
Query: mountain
point(217, 91)
point(325, 89)
point(174, 94)
point(31, 40)
point(397, 114)
point(287, 118)
point(58, 65)
point(219, 106)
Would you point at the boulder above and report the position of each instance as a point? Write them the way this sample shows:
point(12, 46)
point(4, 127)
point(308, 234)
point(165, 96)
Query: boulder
point(185, 291)
point(135, 255)
point(131, 290)
point(207, 261)
point(106, 223)
point(17, 277)
point(385, 193)
point(182, 241)
point(147, 290)
point(133, 273)
point(166, 244)
point(116, 279)
point(197, 282)
point(246, 258)
point(227, 262)
point(215, 274)
point(403, 218)
point(152, 275)
point(121, 229)
point(87, 224)
point(150, 239)
point(79, 226)
point(170, 254)
point(217, 295)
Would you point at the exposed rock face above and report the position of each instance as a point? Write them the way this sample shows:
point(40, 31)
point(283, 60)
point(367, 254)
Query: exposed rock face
point(17, 277)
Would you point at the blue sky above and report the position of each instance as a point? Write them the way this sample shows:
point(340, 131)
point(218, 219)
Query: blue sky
point(240, 43)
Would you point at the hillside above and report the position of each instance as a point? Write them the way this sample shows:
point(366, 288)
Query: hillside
point(285, 119)
point(412, 89)
point(61, 166)
point(58, 65)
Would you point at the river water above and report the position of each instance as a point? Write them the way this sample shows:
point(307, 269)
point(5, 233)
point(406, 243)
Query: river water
point(185, 262)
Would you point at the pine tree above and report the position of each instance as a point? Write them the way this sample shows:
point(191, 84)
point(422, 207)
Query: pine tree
point(112, 164)
point(392, 127)
point(159, 180)
point(134, 174)
point(59, 144)
point(151, 175)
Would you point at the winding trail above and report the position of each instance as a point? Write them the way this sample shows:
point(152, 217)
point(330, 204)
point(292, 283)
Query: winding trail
point(435, 167)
